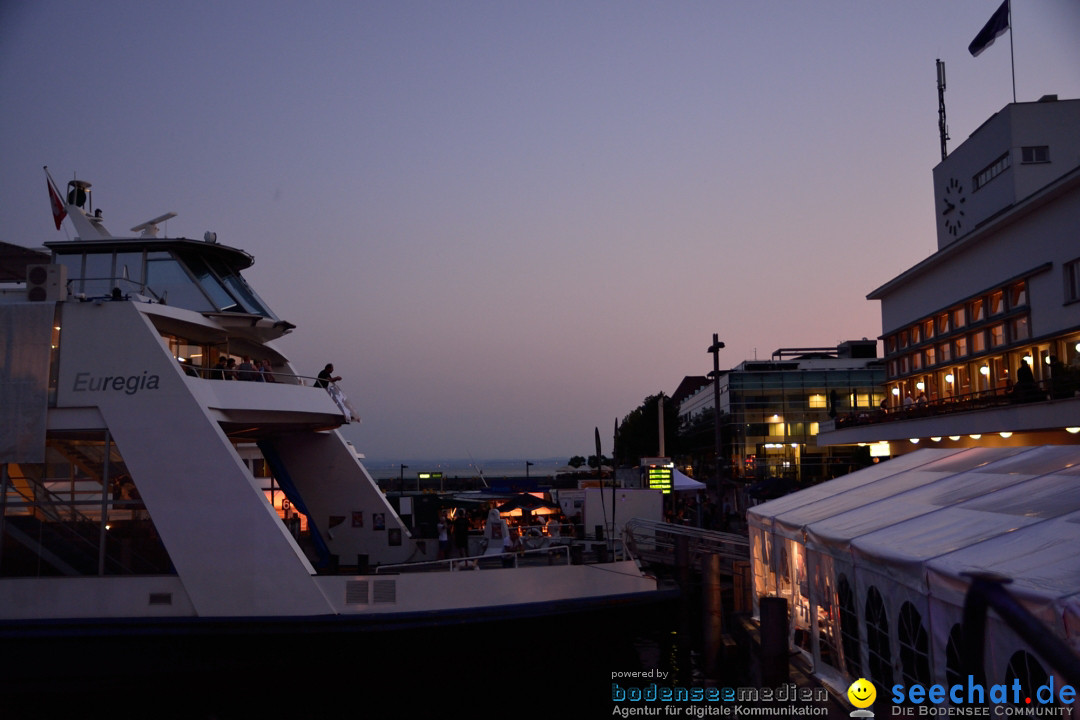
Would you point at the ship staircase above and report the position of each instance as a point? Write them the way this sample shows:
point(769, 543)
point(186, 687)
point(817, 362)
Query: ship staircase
point(50, 531)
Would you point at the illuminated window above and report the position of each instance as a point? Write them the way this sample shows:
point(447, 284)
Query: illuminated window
point(942, 323)
point(1018, 295)
point(997, 335)
point(961, 347)
point(816, 401)
point(959, 320)
point(976, 310)
point(997, 302)
point(1018, 329)
point(849, 626)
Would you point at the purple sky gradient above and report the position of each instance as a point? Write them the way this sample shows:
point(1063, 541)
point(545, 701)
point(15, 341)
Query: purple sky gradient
point(506, 223)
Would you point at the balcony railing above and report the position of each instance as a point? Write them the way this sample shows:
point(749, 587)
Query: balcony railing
point(1042, 391)
point(272, 376)
point(234, 375)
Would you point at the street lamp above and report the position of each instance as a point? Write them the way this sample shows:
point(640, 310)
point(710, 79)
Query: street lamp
point(714, 350)
point(401, 479)
point(527, 466)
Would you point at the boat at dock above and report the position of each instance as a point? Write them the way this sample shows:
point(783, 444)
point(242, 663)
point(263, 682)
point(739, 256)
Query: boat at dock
point(150, 490)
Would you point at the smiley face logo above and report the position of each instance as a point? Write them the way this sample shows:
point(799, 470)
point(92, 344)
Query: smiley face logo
point(862, 693)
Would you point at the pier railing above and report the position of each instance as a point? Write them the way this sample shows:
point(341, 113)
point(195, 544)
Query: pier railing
point(987, 592)
point(662, 542)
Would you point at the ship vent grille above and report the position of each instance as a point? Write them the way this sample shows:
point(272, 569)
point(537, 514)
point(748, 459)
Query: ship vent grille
point(161, 598)
point(356, 592)
point(385, 591)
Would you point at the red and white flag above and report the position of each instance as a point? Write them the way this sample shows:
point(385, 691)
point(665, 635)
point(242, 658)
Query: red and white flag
point(59, 212)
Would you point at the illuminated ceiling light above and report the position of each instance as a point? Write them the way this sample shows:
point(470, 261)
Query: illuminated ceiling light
point(795, 445)
point(920, 385)
point(1072, 430)
point(936, 439)
point(984, 370)
point(1046, 359)
point(949, 378)
point(975, 437)
point(896, 391)
point(954, 438)
point(1077, 346)
point(1005, 434)
point(1029, 360)
point(914, 441)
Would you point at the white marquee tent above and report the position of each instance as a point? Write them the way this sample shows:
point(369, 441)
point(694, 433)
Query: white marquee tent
point(872, 563)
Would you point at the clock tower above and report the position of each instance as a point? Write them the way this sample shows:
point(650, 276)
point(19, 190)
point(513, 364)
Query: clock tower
point(1020, 149)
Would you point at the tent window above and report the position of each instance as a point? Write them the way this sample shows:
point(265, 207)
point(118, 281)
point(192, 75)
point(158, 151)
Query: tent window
point(849, 626)
point(1024, 667)
point(879, 654)
point(827, 631)
point(914, 647)
point(954, 665)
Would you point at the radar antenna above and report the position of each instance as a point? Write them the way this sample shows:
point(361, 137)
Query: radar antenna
point(943, 129)
point(149, 228)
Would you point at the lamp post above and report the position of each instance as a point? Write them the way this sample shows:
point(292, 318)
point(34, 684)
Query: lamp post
point(401, 479)
point(527, 466)
point(714, 350)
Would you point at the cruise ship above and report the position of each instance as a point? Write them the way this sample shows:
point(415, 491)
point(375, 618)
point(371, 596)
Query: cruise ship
point(143, 494)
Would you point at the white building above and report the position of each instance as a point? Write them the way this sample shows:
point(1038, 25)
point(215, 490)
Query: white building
point(1001, 292)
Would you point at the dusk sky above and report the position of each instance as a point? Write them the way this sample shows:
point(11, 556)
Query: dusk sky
point(507, 223)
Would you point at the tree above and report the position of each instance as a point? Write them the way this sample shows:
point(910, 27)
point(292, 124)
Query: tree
point(639, 432)
point(576, 461)
point(594, 463)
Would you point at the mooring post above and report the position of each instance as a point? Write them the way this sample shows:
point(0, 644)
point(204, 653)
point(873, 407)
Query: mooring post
point(713, 611)
point(774, 641)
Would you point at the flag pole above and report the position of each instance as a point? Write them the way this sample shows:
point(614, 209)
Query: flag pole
point(1012, 56)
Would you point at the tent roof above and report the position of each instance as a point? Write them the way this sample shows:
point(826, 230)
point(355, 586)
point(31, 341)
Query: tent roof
point(1012, 510)
point(685, 482)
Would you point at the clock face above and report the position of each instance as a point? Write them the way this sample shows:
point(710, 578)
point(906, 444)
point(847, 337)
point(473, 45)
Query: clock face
point(952, 213)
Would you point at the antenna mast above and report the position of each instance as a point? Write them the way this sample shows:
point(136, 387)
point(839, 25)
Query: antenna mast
point(943, 129)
